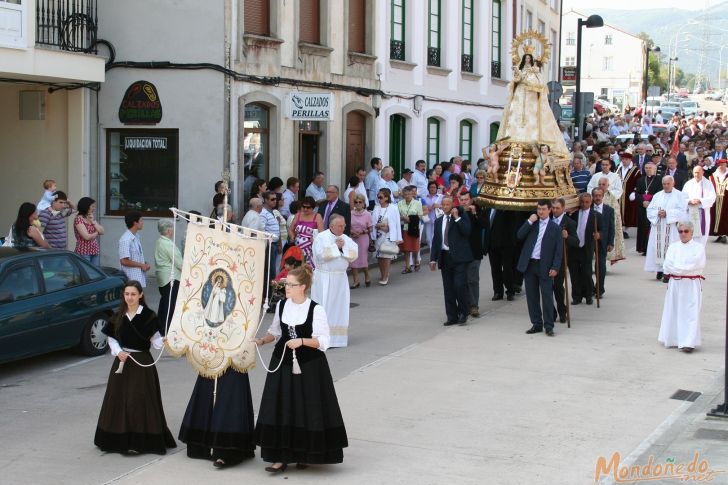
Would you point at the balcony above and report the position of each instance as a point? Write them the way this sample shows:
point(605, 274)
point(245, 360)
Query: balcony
point(495, 69)
point(433, 56)
point(68, 25)
point(396, 50)
point(466, 63)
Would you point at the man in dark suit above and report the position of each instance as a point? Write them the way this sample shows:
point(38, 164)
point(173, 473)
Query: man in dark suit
point(478, 225)
point(606, 242)
point(451, 253)
point(580, 263)
point(682, 159)
point(680, 176)
point(332, 205)
point(570, 243)
point(502, 252)
point(718, 154)
point(540, 262)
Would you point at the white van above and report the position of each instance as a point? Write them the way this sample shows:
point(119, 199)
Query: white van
point(653, 104)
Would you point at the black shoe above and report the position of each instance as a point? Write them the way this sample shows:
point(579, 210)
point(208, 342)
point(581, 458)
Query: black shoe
point(549, 332)
point(719, 239)
point(659, 275)
point(497, 296)
point(562, 319)
point(518, 290)
point(280, 469)
point(462, 319)
point(665, 279)
point(450, 322)
point(534, 330)
point(576, 302)
point(625, 235)
point(510, 297)
point(589, 301)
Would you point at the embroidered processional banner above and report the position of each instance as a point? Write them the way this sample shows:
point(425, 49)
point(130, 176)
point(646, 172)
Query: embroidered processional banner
point(219, 301)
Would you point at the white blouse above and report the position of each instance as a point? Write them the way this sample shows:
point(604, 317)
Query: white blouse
point(115, 347)
point(295, 314)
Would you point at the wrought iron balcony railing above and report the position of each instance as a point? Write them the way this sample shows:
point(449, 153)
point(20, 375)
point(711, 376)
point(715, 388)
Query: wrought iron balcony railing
point(69, 25)
point(495, 69)
point(396, 50)
point(466, 63)
point(433, 56)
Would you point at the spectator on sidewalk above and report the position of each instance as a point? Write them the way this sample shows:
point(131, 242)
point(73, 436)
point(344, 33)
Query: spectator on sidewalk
point(131, 254)
point(371, 182)
point(168, 274)
point(289, 195)
point(252, 219)
point(87, 231)
point(53, 220)
point(24, 232)
point(316, 188)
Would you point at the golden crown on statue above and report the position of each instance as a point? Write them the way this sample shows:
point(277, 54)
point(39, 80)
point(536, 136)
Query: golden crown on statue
point(527, 43)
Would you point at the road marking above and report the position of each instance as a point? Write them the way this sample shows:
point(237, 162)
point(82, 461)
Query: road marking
point(76, 364)
point(386, 358)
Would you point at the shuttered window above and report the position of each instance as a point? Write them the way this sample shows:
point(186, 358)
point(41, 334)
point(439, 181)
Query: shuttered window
point(357, 26)
point(257, 17)
point(310, 19)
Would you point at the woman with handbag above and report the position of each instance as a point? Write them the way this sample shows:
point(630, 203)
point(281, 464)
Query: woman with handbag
point(361, 227)
point(410, 214)
point(389, 234)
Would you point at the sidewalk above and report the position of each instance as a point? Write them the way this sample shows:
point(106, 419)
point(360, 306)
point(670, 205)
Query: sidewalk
point(486, 404)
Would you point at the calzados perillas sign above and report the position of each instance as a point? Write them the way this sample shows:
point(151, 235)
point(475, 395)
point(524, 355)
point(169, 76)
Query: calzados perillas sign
point(310, 106)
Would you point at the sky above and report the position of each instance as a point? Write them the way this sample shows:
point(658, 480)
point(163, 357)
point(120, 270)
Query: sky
point(641, 5)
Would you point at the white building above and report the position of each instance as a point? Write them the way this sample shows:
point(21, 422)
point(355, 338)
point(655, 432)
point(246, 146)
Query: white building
point(613, 61)
point(545, 17)
point(45, 128)
point(444, 71)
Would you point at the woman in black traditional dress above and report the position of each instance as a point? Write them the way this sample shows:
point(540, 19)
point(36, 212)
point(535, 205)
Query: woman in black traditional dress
point(220, 427)
point(299, 418)
point(132, 418)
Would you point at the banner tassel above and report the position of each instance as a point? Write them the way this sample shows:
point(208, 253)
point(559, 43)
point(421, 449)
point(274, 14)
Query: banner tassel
point(296, 367)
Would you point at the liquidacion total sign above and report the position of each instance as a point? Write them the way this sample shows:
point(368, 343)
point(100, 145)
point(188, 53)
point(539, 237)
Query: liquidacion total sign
point(310, 106)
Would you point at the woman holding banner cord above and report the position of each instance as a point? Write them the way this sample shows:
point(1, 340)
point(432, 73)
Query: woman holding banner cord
point(299, 418)
point(132, 418)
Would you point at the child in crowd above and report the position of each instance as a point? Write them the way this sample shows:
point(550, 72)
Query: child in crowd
point(49, 186)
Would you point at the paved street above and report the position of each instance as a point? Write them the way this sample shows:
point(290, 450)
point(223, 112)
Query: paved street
point(425, 404)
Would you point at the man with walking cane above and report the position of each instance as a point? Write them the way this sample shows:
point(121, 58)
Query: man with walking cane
point(580, 261)
point(569, 240)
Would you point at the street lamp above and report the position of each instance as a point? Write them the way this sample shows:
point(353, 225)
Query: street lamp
point(592, 22)
point(647, 67)
point(669, 76)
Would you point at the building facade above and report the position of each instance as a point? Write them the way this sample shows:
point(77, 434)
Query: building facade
point(444, 71)
point(46, 55)
point(613, 61)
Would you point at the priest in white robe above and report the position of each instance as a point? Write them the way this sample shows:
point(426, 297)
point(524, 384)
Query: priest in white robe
point(666, 209)
point(684, 262)
point(615, 183)
point(701, 197)
point(332, 252)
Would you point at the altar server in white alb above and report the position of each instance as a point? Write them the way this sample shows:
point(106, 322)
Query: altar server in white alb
point(332, 252)
point(701, 197)
point(666, 209)
point(684, 262)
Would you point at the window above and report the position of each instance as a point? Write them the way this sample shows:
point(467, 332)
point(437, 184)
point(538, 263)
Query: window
point(542, 27)
point(570, 61)
point(608, 39)
point(141, 172)
point(257, 17)
point(570, 39)
point(529, 20)
point(59, 272)
point(92, 272)
point(12, 23)
point(357, 26)
point(397, 31)
point(466, 64)
point(495, 61)
point(554, 5)
point(255, 141)
point(433, 142)
point(494, 131)
point(433, 50)
point(466, 140)
point(608, 64)
point(309, 18)
point(20, 282)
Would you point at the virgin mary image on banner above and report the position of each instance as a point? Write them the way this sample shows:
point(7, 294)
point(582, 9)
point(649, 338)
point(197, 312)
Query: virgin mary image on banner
point(218, 298)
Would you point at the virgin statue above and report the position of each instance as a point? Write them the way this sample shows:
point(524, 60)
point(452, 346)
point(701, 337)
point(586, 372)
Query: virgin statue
point(527, 116)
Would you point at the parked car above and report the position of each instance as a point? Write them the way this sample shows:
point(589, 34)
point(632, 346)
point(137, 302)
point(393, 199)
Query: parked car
point(52, 300)
point(714, 96)
point(689, 108)
point(669, 108)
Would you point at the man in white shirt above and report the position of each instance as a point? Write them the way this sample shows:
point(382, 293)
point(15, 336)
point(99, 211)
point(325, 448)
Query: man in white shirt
point(658, 117)
point(615, 183)
point(270, 201)
point(419, 179)
point(371, 182)
point(252, 219)
point(406, 179)
point(316, 188)
point(289, 195)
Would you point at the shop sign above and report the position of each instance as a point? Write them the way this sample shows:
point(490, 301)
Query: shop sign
point(141, 105)
point(568, 75)
point(145, 143)
point(310, 106)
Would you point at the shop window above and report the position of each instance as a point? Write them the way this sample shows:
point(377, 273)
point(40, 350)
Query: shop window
point(141, 171)
point(255, 142)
